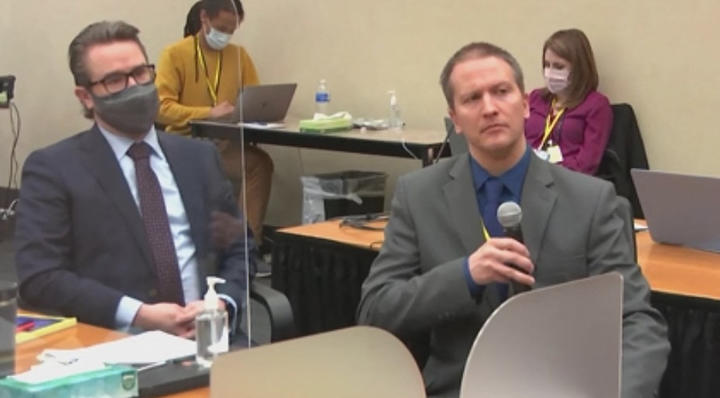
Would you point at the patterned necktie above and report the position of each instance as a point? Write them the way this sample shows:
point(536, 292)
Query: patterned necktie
point(493, 190)
point(157, 227)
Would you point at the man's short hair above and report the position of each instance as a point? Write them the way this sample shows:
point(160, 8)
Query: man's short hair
point(103, 32)
point(213, 7)
point(477, 50)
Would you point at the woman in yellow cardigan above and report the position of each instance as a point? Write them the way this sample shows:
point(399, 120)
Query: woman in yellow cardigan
point(199, 77)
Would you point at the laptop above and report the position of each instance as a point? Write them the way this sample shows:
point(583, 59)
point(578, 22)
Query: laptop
point(680, 209)
point(262, 104)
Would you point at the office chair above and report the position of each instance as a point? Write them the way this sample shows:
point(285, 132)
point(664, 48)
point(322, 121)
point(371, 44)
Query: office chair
point(625, 150)
point(282, 324)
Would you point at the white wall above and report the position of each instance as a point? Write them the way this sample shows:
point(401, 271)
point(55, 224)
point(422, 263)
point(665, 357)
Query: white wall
point(658, 55)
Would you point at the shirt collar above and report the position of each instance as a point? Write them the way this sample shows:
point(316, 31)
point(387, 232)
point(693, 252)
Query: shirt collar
point(120, 144)
point(513, 178)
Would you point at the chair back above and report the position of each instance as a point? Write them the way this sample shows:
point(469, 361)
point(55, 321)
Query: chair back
point(357, 362)
point(625, 150)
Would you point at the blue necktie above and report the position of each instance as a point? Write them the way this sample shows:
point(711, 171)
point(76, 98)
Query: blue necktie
point(493, 190)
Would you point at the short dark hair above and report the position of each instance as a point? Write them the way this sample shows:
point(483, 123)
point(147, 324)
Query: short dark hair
point(477, 50)
point(573, 46)
point(213, 8)
point(104, 32)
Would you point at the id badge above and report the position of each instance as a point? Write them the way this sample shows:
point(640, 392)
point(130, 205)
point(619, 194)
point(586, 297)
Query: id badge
point(554, 154)
point(542, 154)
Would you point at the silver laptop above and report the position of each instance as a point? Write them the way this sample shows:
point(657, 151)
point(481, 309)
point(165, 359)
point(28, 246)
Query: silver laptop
point(262, 103)
point(680, 209)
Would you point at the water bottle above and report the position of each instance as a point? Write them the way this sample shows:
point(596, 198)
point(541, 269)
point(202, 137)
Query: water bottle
point(322, 98)
point(394, 120)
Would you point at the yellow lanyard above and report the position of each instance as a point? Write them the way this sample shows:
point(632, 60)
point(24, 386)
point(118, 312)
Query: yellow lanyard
point(486, 234)
point(550, 124)
point(212, 88)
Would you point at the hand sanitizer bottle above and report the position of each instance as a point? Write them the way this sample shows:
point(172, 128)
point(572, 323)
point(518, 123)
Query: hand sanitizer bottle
point(395, 122)
point(211, 327)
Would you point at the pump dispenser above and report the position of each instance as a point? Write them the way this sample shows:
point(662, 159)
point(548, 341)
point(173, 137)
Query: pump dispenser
point(211, 326)
point(395, 122)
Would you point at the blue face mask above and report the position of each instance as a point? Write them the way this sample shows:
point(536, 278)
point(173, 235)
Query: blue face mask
point(217, 40)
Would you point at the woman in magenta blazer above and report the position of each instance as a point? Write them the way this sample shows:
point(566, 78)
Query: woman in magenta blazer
point(569, 120)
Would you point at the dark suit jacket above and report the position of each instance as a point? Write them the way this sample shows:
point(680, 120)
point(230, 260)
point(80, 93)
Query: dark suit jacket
point(80, 241)
point(572, 229)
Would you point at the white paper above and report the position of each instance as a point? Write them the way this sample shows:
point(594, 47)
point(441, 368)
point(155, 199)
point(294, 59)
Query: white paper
point(258, 125)
point(639, 227)
point(148, 347)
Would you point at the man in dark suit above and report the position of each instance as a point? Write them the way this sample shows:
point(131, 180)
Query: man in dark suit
point(119, 225)
point(445, 265)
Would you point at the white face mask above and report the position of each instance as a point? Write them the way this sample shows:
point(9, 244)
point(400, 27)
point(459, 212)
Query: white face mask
point(216, 39)
point(556, 80)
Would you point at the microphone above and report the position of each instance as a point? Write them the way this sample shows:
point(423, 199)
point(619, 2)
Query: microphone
point(509, 215)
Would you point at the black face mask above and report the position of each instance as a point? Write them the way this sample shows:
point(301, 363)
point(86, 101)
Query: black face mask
point(131, 111)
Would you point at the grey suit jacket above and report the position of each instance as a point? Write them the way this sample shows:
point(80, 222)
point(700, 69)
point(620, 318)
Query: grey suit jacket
point(80, 240)
point(572, 230)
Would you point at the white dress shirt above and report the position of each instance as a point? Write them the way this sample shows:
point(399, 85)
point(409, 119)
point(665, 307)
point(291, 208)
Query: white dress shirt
point(177, 217)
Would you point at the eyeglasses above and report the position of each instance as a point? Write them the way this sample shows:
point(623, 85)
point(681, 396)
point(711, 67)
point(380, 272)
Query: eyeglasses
point(118, 81)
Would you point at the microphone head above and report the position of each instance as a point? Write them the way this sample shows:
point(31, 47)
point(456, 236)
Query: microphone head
point(509, 214)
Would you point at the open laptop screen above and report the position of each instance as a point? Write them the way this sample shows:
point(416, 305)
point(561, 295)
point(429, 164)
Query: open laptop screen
point(680, 209)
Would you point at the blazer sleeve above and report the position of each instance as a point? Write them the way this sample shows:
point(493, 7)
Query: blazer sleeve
point(248, 73)
point(398, 294)
point(598, 123)
point(645, 342)
point(44, 255)
point(169, 82)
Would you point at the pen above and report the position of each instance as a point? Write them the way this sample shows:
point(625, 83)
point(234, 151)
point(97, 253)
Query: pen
point(25, 326)
point(163, 363)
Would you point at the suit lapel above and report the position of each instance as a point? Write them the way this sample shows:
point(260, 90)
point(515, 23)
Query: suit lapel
point(101, 162)
point(538, 200)
point(191, 187)
point(462, 204)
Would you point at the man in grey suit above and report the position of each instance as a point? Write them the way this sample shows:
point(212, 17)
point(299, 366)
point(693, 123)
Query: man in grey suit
point(445, 265)
point(119, 225)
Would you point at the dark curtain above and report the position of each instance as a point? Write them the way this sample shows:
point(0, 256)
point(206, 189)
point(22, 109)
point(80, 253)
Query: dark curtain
point(321, 279)
point(694, 330)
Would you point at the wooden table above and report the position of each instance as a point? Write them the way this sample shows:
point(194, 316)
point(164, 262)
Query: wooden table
point(81, 335)
point(669, 269)
point(424, 145)
point(679, 270)
point(334, 231)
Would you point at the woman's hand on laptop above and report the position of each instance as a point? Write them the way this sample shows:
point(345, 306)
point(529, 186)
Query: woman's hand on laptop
point(222, 109)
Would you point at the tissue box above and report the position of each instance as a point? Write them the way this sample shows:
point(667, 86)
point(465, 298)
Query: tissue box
point(329, 125)
point(117, 381)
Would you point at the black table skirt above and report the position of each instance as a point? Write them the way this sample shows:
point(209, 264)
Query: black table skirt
point(322, 281)
point(694, 331)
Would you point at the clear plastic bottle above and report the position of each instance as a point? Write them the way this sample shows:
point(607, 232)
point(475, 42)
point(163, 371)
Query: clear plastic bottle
point(322, 98)
point(395, 121)
point(211, 327)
